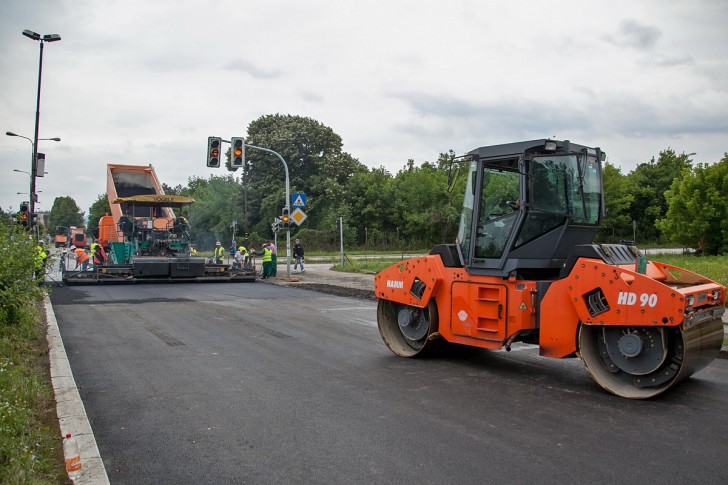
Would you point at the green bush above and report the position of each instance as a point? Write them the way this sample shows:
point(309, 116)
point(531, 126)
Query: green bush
point(18, 287)
point(29, 435)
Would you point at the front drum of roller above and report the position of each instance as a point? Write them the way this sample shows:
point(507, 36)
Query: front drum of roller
point(642, 362)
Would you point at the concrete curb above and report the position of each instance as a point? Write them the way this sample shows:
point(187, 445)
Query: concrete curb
point(69, 407)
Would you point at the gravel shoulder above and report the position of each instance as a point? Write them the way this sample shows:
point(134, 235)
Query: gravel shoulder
point(320, 277)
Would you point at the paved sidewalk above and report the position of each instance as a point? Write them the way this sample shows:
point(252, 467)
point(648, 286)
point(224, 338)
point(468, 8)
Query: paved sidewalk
point(320, 277)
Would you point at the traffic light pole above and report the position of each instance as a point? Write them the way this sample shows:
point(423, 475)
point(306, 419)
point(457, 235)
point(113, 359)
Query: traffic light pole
point(288, 205)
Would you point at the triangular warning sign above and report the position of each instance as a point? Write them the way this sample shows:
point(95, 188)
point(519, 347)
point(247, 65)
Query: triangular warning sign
point(298, 202)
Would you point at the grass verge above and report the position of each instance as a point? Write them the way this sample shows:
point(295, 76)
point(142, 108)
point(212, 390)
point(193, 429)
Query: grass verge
point(30, 446)
point(369, 266)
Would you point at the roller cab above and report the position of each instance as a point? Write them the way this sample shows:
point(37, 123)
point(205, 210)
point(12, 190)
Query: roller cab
point(524, 268)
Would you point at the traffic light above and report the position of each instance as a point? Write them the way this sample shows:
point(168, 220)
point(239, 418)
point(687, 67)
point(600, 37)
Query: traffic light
point(23, 215)
point(213, 151)
point(237, 152)
point(285, 219)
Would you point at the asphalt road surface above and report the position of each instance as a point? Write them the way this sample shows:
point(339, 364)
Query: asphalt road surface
point(257, 383)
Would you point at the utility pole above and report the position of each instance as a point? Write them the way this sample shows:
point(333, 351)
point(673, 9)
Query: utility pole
point(341, 239)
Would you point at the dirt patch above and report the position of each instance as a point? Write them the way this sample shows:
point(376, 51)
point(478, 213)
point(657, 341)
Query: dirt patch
point(337, 290)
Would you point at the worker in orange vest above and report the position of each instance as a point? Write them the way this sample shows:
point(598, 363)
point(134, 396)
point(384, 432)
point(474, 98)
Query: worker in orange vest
point(82, 258)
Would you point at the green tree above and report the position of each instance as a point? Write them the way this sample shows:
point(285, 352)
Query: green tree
point(371, 196)
point(617, 200)
point(65, 213)
point(217, 204)
point(648, 184)
point(176, 190)
point(427, 213)
point(698, 209)
point(316, 163)
point(98, 209)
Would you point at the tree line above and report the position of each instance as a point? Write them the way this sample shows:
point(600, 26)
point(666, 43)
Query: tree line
point(667, 200)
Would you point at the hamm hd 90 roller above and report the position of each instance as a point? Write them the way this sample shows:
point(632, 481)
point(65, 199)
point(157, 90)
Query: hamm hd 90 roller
point(524, 269)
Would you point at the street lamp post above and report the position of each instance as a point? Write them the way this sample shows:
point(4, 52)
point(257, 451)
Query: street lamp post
point(46, 38)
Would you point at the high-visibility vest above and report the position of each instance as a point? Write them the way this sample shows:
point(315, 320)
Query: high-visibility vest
point(40, 257)
point(99, 255)
point(219, 252)
point(267, 255)
point(81, 255)
point(94, 247)
point(242, 249)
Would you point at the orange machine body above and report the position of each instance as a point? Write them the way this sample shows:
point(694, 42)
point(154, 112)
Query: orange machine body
point(491, 312)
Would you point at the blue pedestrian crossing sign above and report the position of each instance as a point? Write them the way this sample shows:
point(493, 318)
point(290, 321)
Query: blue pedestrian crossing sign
point(298, 200)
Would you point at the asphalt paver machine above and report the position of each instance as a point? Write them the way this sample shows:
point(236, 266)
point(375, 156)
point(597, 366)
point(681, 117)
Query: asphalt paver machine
point(145, 240)
point(524, 269)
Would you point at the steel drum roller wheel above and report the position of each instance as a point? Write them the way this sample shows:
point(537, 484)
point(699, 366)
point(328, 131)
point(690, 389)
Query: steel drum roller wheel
point(642, 362)
point(406, 329)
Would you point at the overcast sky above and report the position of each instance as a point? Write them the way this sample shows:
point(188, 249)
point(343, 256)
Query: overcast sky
point(147, 81)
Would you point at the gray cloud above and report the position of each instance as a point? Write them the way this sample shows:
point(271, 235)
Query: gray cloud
point(671, 61)
point(634, 35)
point(312, 97)
point(249, 68)
point(601, 116)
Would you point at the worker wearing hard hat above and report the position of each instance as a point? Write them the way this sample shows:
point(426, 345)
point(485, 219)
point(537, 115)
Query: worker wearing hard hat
point(267, 259)
point(82, 258)
point(219, 253)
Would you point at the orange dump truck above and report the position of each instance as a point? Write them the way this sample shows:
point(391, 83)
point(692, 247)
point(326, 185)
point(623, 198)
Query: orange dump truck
point(60, 240)
point(78, 237)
